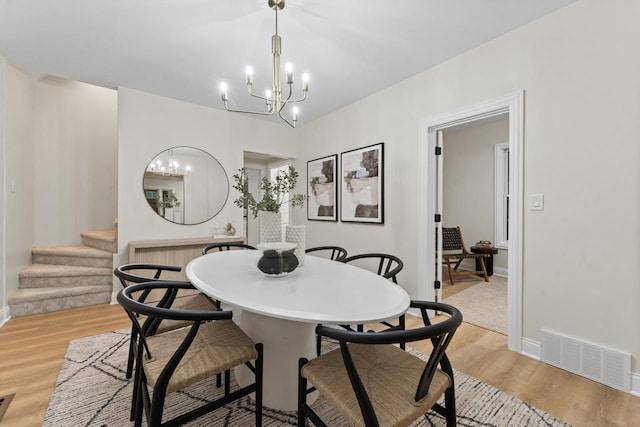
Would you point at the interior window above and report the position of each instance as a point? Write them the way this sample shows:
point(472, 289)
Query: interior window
point(501, 195)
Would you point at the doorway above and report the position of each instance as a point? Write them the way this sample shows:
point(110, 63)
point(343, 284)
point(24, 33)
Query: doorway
point(259, 166)
point(431, 202)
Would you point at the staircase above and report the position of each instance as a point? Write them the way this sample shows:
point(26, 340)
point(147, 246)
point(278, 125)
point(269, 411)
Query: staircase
point(64, 277)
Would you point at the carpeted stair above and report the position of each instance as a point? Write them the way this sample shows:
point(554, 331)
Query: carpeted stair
point(63, 277)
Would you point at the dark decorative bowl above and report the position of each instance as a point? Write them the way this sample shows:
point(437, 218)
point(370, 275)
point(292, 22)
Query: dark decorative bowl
point(277, 259)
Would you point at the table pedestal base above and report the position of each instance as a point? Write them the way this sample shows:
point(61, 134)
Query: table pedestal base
point(285, 341)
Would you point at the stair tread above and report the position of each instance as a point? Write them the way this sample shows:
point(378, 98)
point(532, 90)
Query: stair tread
point(37, 294)
point(72, 251)
point(104, 235)
point(57, 270)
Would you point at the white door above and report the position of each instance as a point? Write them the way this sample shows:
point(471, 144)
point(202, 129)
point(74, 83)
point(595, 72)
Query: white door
point(252, 224)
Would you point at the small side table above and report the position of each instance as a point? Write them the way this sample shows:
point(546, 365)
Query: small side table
point(488, 261)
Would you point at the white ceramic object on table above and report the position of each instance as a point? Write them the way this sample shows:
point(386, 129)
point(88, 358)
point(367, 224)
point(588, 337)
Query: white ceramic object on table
point(297, 234)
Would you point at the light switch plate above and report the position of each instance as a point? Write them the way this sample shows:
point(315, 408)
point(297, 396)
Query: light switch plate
point(536, 202)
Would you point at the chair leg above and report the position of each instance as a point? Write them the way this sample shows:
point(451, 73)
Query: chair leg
point(227, 382)
point(450, 272)
point(318, 345)
point(450, 406)
point(302, 393)
point(132, 356)
point(484, 269)
point(402, 328)
point(258, 392)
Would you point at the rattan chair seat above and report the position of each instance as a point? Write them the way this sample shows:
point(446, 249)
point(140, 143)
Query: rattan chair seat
point(218, 346)
point(390, 376)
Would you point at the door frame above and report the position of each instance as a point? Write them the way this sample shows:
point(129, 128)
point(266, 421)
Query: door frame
point(513, 104)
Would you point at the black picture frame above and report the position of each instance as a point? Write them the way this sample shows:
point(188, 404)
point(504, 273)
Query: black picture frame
point(362, 184)
point(322, 189)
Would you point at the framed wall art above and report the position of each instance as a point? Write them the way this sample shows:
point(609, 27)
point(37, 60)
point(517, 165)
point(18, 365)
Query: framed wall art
point(362, 184)
point(322, 189)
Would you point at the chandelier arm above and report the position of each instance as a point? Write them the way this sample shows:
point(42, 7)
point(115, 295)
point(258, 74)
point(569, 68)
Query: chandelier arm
point(285, 120)
point(255, 95)
point(293, 101)
point(261, 113)
point(285, 102)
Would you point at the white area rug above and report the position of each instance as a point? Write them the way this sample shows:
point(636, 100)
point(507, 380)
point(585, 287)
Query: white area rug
point(484, 304)
point(91, 391)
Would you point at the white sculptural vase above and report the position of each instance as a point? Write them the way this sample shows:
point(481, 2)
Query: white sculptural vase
point(297, 234)
point(270, 226)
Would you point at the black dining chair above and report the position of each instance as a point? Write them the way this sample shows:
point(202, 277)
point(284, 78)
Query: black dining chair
point(129, 274)
point(385, 265)
point(218, 247)
point(361, 378)
point(210, 344)
point(335, 253)
point(187, 298)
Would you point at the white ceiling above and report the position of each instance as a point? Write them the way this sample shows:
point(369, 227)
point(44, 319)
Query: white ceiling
point(183, 49)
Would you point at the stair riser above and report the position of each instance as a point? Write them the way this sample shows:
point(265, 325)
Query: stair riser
point(100, 244)
point(57, 304)
point(64, 281)
point(76, 261)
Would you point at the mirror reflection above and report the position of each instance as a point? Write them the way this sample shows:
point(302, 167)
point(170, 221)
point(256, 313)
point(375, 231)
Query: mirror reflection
point(185, 185)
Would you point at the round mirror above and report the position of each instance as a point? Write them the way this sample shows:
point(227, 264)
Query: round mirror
point(185, 185)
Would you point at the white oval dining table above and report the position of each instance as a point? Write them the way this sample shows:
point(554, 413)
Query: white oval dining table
point(282, 312)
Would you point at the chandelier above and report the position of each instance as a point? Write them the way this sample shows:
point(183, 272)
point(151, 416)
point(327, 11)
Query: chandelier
point(274, 98)
point(172, 167)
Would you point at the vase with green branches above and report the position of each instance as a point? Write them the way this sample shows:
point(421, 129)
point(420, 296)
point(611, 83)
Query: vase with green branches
point(274, 195)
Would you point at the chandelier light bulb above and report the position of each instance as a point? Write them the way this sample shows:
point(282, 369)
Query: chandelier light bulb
point(223, 91)
point(289, 67)
point(249, 75)
point(295, 114)
point(305, 82)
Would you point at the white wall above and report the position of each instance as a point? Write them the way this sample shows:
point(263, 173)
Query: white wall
point(76, 171)
point(149, 124)
point(17, 99)
point(582, 102)
point(468, 169)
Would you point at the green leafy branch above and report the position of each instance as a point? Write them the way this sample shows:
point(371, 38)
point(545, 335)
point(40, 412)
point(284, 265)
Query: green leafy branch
point(273, 193)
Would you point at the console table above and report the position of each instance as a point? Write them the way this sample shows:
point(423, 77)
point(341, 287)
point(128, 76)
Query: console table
point(177, 252)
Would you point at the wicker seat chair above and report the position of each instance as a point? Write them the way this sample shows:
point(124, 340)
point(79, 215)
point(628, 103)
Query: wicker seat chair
point(217, 247)
point(212, 344)
point(188, 299)
point(372, 390)
point(387, 266)
point(337, 253)
point(454, 252)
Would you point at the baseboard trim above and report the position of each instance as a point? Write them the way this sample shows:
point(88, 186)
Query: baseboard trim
point(635, 384)
point(5, 315)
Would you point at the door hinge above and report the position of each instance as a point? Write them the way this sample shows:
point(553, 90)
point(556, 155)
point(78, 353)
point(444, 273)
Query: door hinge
point(436, 284)
point(437, 218)
point(438, 151)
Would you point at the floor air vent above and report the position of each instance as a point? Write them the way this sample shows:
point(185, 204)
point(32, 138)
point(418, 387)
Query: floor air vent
point(601, 364)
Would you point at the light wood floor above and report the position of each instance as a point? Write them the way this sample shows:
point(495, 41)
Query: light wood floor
point(32, 349)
